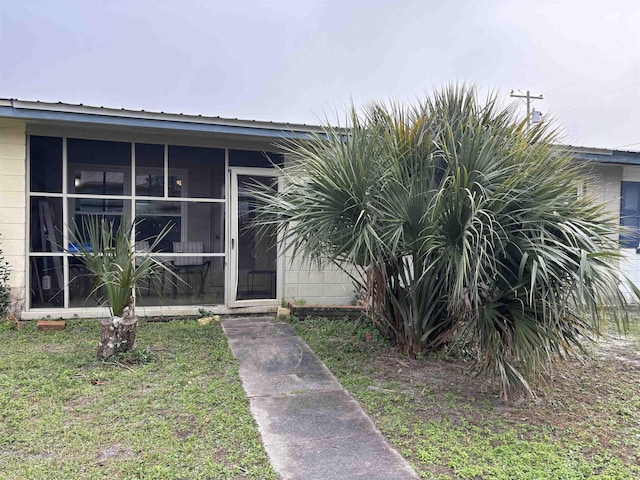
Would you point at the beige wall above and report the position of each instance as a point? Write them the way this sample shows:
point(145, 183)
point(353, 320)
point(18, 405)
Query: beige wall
point(606, 186)
point(13, 208)
point(328, 286)
point(305, 282)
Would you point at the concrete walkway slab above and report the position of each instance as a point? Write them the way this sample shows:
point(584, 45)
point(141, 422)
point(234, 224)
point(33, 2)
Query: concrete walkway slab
point(311, 428)
point(340, 458)
point(256, 331)
point(327, 414)
point(274, 356)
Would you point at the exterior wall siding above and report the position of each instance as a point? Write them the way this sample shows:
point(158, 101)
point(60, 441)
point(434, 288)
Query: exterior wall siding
point(306, 283)
point(13, 209)
point(605, 186)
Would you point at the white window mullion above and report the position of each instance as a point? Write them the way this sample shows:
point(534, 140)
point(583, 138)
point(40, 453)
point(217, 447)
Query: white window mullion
point(227, 228)
point(65, 222)
point(133, 188)
point(133, 204)
point(166, 171)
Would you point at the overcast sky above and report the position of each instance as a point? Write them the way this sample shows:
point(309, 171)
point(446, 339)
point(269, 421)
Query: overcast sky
point(302, 60)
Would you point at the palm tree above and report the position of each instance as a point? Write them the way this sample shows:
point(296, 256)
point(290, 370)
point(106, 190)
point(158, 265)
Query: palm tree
point(470, 226)
point(106, 250)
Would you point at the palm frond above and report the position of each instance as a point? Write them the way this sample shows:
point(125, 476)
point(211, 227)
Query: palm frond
point(469, 221)
point(106, 249)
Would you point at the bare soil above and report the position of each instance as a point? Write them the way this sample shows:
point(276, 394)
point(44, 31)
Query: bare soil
point(596, 397)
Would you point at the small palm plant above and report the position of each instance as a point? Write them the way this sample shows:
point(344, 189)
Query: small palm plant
point(107, 251)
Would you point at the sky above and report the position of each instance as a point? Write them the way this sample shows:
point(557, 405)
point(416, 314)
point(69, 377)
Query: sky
point(305, 61)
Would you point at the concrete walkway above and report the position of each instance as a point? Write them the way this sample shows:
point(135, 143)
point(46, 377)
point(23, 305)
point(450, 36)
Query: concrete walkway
point(311, 428)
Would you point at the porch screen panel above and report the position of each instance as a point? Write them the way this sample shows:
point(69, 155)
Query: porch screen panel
point(254, 158)
point(257, 254)
point(193, 222)
point(46, 282)
point(196, 172)
point(158, 184)
point(82, 211)
point(149, 170)
point(45, 232)
point(98, 167)
point(80, 286)
point(198, 280)
point(45, 164)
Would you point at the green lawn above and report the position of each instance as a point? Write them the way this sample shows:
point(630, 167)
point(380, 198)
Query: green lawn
point(178, 411)
point(449, 424)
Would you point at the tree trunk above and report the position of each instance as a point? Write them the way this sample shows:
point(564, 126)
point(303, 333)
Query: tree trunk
point(117, 334)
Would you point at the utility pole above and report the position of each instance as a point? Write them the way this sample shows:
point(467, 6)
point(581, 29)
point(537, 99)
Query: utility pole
point(529, 98)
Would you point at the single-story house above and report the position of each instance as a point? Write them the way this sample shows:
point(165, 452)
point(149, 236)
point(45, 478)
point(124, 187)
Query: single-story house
point(62, 163)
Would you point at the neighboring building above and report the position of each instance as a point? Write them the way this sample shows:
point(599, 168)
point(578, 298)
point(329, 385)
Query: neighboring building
point(60, 163)
point(616, 182)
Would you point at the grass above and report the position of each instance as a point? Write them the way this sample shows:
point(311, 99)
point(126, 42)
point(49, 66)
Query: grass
point(174, 408)
point(585, 423)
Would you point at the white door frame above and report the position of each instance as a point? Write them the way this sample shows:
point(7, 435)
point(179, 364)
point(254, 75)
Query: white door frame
point(232, 242)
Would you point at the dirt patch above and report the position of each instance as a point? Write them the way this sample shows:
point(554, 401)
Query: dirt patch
point(53, 348)
point(597, 397)
point(114, 452)
point(78, 402)
point(621, 349)
point(436, 376)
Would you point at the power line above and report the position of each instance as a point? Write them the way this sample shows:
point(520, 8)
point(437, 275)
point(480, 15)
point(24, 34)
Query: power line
point(583, 63)
point(595, 98)
point(593, 75)
point(627, 145)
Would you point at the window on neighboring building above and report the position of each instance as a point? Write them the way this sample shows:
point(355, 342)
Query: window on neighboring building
point(630, 215)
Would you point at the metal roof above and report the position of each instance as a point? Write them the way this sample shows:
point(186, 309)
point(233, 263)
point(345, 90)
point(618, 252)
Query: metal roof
point(50, 112)
point(86, 114)
point(603, 155)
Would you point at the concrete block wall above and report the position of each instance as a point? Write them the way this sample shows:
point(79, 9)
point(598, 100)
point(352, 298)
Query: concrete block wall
point(606, 186)
point(13, 209)
point(303, 281)
point(328, 286)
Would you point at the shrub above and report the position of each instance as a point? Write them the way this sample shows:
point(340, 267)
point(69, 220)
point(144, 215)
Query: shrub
point(468, 223)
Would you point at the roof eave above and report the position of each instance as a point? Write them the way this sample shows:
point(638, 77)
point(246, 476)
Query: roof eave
point(83, 115)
